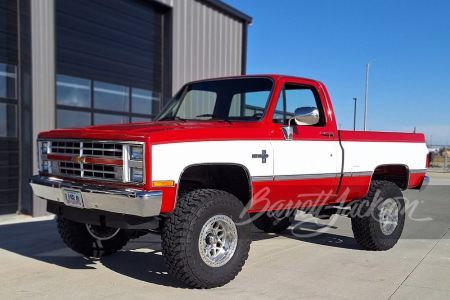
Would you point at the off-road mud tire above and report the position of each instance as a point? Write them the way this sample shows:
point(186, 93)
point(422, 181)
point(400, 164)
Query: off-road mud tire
point(365, 217)
point(181, 232)
point(77, 237)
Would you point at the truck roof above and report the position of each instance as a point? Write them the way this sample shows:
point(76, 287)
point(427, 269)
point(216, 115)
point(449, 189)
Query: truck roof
point(273, 76)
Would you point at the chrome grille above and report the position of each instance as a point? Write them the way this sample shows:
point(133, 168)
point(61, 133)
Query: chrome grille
point(62, 167)
point(64, 147)
point(102, 150)
point(102, 171)
point(94, 171)
point(92, 149)
point(93, 159)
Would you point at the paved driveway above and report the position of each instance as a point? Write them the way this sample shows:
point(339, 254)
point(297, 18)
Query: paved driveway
point(35, 263)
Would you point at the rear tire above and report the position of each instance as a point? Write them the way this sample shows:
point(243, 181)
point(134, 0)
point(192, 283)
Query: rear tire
point(203, 243)
point(378, 219)
point(275, 221)
point(91, 240)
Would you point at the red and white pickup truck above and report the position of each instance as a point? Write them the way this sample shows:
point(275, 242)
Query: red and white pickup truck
point(221, 155)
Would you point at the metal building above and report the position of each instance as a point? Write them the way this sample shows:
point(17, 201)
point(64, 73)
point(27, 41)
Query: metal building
point(66, 63)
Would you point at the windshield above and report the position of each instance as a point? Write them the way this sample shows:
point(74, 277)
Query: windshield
point(240, 99)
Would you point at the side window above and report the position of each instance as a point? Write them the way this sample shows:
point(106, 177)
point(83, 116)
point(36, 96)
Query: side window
point(297, 96)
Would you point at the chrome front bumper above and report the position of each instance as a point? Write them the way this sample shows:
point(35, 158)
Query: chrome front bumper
point(117, 200)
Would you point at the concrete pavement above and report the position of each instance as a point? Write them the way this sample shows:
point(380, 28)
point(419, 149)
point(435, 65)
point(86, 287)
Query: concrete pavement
point(35, 263)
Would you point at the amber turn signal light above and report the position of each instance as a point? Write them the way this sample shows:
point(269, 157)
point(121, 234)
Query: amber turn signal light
point(164, 183)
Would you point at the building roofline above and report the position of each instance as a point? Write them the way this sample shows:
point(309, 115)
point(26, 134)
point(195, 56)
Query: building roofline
point(231, 10)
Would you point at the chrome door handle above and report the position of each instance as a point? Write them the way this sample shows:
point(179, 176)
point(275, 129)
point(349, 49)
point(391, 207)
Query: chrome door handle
point(328, 134)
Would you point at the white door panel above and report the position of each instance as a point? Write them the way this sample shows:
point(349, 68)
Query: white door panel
point(169, 160)
point(306, 157)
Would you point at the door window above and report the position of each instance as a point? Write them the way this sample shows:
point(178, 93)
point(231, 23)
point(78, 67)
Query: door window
point(293, 96)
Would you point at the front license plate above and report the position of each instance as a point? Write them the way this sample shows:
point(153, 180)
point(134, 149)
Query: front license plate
point(72, 198)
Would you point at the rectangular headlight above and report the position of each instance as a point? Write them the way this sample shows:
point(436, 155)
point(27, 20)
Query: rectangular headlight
point(45, 166)
point(136, 175)
point(44, 148)
point(133, 163)
point(136, 152)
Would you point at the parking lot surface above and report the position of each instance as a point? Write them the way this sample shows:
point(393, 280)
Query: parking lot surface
point(298, 264)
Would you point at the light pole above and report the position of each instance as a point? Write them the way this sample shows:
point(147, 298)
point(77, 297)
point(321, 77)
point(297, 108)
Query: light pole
point(445, 159)
point(367, 92)
point(354, 117)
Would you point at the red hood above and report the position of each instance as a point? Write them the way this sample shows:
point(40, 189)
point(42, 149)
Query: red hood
point(136, 131)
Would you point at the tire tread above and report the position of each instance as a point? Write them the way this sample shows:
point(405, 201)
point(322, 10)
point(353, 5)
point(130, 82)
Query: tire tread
point(176, 228)
point(364, 227)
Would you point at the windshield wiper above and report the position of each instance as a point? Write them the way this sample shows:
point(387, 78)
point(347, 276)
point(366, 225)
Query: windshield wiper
point(216, 117)
point(172, 119)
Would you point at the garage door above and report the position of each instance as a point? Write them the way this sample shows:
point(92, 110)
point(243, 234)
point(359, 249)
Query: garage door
point(9, 143)
point(109, 61)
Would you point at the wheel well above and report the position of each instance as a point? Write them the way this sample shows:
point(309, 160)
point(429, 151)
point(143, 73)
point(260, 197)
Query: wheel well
point(398, 174)
point(234, 179)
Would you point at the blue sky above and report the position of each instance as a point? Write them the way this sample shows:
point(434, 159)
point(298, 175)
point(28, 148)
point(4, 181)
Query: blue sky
point(332, 41)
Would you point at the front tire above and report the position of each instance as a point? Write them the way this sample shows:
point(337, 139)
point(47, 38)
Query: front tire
point(91, 240)
point(205, 241)
point(378, 219)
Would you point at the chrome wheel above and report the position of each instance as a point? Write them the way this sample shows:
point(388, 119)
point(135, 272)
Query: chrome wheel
point(388, 217)
point(102, 233)
point(218, 240)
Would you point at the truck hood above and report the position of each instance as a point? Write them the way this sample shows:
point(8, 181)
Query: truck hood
point(132, 131)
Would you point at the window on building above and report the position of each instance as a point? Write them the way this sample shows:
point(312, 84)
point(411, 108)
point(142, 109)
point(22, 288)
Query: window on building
point(145, 101)
point(73, 91)
point(71, 118)
point(8, 81)
point(139, 119)
point(8, 120)
point(8, 101)
point(109, 96)
point(82, 102)
point(103, 119)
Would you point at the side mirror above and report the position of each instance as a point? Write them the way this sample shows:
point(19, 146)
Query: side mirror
point(302, 116)
point(306, 116)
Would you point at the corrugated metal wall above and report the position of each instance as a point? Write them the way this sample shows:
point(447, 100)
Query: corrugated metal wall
point(43, 77)
point(206, 42)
